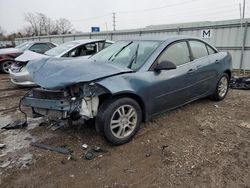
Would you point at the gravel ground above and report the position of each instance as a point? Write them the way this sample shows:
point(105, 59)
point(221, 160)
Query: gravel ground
point(203, 144)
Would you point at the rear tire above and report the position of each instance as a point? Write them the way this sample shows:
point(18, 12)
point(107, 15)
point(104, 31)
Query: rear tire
point(221, 88)
point(119, 119)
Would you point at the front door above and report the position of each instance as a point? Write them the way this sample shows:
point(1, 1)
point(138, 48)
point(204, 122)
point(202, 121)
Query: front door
point(171, 88)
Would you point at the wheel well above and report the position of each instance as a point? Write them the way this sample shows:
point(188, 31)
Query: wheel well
point(229, 73)
point(105, 97)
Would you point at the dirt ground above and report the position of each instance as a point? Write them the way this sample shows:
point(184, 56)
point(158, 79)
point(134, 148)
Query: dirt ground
point(203, 144)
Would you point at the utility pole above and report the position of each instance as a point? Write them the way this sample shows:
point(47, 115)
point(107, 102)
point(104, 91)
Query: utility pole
point(244, 6)
point(243, 33)
point(113, 21)
point(240, 10)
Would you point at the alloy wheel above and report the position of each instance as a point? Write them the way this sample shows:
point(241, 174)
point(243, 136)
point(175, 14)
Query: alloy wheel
point(123, 121)
point(223, 86)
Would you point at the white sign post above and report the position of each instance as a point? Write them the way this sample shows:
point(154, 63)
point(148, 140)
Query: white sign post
point(206, 33)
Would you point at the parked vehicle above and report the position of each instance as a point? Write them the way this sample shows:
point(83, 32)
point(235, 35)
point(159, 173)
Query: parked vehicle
point(129, 82)
point(20, 76)
point(8, 55)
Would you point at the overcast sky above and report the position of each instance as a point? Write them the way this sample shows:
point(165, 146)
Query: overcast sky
point(129, 13)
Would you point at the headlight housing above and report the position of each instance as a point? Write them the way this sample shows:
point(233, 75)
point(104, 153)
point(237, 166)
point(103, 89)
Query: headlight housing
point(92, 89)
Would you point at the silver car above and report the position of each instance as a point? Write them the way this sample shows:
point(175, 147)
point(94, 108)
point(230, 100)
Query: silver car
point(8, 55)
point(20, 76)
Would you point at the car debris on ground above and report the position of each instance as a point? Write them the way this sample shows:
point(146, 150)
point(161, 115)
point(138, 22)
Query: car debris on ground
point(84, 146)
point(18, 124)
point(61, 150)
point(56, 125)
point(2, 146)
point(90, 153)
point(93, 152)
point(240, 83)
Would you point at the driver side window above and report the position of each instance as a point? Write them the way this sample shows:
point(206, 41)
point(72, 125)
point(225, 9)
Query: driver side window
point(177, 53)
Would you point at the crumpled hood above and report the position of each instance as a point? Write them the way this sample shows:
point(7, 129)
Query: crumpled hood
point(57, 73)
point(29, 55)
point(9, 51)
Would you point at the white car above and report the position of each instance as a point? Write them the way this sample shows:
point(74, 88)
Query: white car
point(20, 76)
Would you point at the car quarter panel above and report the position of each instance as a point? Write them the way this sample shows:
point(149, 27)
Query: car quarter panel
point(222, 62)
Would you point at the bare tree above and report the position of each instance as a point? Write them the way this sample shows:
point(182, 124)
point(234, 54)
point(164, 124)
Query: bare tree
point(33, 22)
point(2, 33)
point(63, 26)
point(46, 24)
point(40, 24)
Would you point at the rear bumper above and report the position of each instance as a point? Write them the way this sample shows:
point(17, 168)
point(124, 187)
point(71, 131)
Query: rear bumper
point(21, 78)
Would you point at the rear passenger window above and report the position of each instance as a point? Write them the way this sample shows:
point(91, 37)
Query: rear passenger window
point(177, 53)
point(39, 48)
point(210, 50)
point(198, 48)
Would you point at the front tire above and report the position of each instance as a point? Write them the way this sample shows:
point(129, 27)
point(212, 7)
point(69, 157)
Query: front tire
point(119, 120)
point(221, 88)
point(5, 66)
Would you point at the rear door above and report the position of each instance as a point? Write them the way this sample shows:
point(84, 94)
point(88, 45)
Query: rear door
point(203, 70)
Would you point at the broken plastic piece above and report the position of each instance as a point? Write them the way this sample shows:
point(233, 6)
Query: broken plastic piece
point(97, 149)
point(57, 126)
point(18, 124)
point(2, 146)
point(84, 146)
point(52, 148)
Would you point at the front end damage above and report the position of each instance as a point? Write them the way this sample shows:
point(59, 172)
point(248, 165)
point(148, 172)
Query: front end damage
point(76, 102)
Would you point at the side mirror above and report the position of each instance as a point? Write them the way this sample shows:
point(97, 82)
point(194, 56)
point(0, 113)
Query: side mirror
point(165, 65)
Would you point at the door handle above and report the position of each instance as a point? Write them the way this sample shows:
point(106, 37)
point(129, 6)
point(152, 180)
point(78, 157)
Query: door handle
point(190, 71)
point(216, 61)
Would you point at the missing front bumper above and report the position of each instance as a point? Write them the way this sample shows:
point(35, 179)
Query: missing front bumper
point(58, 104)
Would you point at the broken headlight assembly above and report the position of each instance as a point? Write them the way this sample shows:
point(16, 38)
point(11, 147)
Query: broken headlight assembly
point(92, 89)
point(78, 101)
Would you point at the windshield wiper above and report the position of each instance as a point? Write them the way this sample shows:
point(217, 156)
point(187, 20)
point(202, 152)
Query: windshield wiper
point(116, 54)
point(134, 58)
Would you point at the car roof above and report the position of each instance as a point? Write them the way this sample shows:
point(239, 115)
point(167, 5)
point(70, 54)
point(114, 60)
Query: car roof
point(35, 42)
point(85, 41)
point(164, 38)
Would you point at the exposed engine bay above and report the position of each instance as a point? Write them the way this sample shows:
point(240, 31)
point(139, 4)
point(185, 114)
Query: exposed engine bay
point(75, 102)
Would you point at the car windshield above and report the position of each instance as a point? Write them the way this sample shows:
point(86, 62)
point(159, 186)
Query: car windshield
point(61, 48)
point(23, 46)
point(132, 54)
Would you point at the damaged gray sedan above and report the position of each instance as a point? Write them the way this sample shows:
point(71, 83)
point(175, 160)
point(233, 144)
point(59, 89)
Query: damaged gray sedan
point(129, 82)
